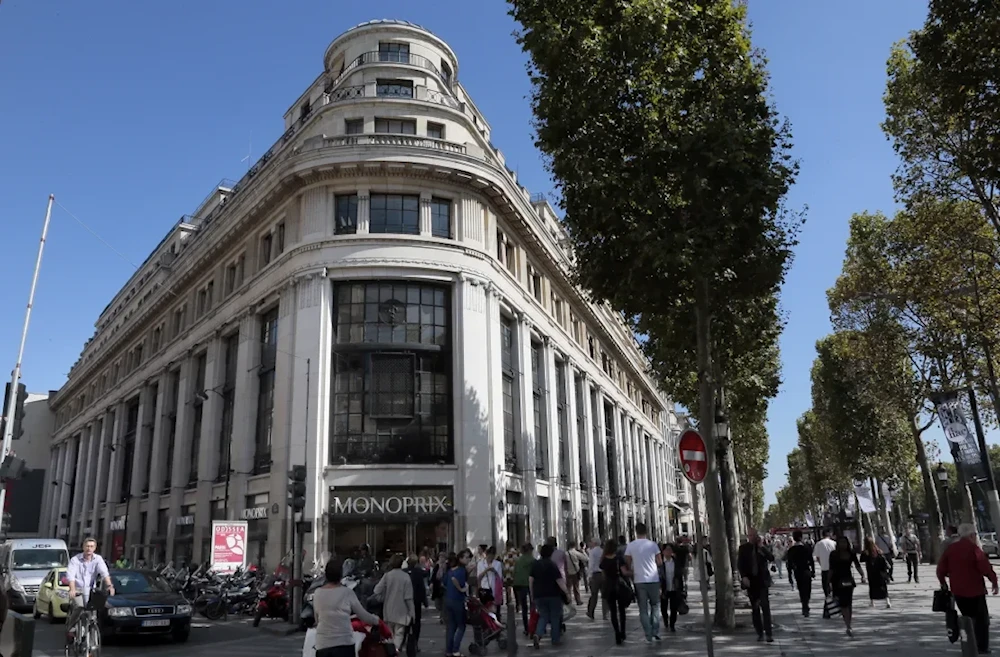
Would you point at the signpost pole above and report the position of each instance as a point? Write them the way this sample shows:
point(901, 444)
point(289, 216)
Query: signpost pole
point(702, 567)
point(694, 465)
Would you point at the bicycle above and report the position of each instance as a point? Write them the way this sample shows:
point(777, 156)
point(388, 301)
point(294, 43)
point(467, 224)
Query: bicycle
point(87, 640)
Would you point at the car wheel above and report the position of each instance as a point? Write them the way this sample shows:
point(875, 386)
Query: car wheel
point(181, 636)
point(52, 615)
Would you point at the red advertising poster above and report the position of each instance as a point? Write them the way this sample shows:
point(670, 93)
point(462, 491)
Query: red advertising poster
point(229, 546)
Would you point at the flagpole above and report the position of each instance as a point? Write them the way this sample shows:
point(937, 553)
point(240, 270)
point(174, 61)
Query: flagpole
point(15, 378)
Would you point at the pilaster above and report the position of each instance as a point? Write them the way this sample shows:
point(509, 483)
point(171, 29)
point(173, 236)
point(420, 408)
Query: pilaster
point(364, 211)
point(425, 214)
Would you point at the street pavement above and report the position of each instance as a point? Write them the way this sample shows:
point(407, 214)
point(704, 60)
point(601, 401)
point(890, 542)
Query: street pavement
point(910, 628)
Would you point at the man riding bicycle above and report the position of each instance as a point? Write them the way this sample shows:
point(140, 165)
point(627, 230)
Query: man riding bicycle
point(83, 572)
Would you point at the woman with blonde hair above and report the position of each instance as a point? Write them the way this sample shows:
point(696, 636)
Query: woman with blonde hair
point(878, 569)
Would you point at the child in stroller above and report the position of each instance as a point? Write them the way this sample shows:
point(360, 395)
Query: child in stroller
point(486, 627)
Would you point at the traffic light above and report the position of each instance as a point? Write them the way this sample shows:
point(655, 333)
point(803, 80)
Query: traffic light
point(22, 397)
point(297, 488)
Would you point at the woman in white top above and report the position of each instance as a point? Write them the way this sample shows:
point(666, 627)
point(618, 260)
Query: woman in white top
point(489, 574)
point(333, 605)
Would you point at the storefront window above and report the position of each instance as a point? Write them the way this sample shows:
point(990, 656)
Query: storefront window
point(390, 520)
point(392, 374)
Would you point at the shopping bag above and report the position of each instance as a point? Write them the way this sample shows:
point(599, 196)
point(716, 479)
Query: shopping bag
point(309, 645)
point(951, 622)
point(569, 611)
point(943, 601)
point(682, 608)
point(831, 607)
point(532, 622)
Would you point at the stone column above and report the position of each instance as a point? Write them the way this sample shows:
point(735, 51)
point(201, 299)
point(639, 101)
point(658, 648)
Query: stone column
point(610, 506)
point(208, 448)
point(49, 496)
point(284, 378)
point(470, 227)
point(577, 460)
point(527, 426)
point(425, 213)
point(94, 455)
point(479, 488)
point(492, 403)
point(622, 463)
point(181, 456)
point(158, 445)
point(316, 218)
point(244, 411)
point(133, 528)
point(364, 211)
point(108, 429)
point(552, 431)
point(309, 396)
point(83, 484)
point(69, 467)
point(591, 454)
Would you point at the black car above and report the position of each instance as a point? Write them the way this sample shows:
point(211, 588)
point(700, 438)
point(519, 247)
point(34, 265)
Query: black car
point(145, 604)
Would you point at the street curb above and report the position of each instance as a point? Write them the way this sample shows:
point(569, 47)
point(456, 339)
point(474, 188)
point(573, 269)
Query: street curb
point(282, 630)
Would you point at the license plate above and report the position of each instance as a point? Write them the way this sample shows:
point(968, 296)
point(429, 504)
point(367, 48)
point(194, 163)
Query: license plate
point(156, 623)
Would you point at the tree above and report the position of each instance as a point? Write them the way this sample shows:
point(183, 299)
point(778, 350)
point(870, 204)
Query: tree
point(943, 108)
point(671, 165)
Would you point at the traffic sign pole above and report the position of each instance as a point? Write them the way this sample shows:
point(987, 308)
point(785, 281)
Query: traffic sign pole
point(694, 465)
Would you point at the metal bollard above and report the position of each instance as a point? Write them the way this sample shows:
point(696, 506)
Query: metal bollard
point(511, 629)
point(967, 637)
point(17, 639)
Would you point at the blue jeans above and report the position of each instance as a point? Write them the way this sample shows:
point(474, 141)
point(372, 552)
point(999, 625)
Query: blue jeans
point(454, 625)
point(549, 613)
point(647, 594)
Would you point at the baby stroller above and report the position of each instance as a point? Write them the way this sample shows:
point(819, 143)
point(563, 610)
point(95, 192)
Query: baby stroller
point(377, 641)
point(486, 627)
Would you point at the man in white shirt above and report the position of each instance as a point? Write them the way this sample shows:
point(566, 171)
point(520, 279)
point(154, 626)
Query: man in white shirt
point(644, 559)
point(575, 560)
point(594, 555)
point(823, 550)
point(910, 546)
point(84, 570)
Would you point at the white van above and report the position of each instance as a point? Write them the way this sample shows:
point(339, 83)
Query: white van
point(24, 563)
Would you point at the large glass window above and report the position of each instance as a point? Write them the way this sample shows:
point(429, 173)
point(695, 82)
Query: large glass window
point(232, 347)
point(128, 448)
point(346, 209)
point(175, 384)
point(612, 456)
point(394, 88)
point(395, 213)
point(395, 127)
point(581, 432)
point(440, 217)
point(391, 51)
point(562, 417)
point(265, 395)
point(539, 396)
point(201, 366)
point(392, 374)
point(508, 361)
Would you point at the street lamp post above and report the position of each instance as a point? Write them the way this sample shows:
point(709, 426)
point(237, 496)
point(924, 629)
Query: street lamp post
point(942, 475)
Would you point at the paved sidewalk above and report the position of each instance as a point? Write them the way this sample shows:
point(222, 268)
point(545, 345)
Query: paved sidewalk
point(910, 628)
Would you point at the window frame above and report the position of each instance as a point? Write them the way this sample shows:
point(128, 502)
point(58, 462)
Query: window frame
point(436, 204)
point(389, 122)
point(383, 227)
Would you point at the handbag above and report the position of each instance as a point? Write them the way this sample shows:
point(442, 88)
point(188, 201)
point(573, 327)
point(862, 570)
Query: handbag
point(943, 601)
point(626, 595)
point(682, 608)
point(831, 607)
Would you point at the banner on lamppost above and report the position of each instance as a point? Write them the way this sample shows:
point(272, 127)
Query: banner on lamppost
point(863, 491)
point(887, 495)
point(960, 437)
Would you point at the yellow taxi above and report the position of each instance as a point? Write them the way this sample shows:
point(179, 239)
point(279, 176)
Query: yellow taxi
point(52, 594)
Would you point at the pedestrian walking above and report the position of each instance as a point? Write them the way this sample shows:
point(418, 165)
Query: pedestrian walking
point(753, 561)
point(595, 555)
point(950, 536)
point(439, 578)
point(584, 570)
point(671, 587)
point(803, 566)
point(965, 565)
point(616, 591)
point(522, 590)
point(418, 577)
point(576, 569)
point(911, 549)
point(456, 590)
point(489, 574)
point(548, 594)
point(780, 554)
point(842, 578)
point(559, 557)
point(396, 591)
point(823, 550)
point(333, 606)
point(643, 558)
point(879, 572)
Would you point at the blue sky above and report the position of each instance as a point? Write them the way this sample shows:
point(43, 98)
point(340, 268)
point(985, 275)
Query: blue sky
point(131, 111)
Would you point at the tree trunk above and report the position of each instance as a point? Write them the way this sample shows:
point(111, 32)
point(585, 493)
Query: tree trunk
point(728, 484)
point(725, 603)
point(934, 524)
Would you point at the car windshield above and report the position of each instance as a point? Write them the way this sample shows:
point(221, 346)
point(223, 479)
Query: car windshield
point(133, 581)
point(39, 558)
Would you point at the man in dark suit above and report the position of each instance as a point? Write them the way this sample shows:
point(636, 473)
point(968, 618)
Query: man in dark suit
point(754, 562)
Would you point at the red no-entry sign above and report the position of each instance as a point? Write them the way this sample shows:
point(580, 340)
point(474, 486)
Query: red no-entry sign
point(694, 456)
